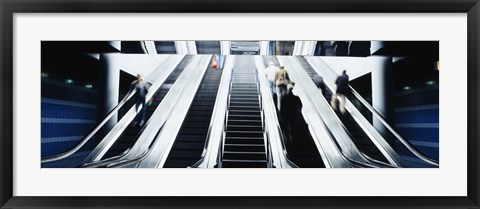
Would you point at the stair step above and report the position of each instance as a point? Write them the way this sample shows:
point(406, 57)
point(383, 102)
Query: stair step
point(244, 147)
point(242, 112)
point(244, 140)
point(244, 134)
point(244, 155)
point(251, 104)
point(244, 128)
point(240, 107)
point(244, 164)
point(245, 122)
point(244, 117)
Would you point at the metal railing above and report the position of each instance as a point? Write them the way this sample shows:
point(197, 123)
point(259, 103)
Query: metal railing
point(217, 112)
point(333, 137)
point(159, 130)
point(100, 125)
point(406, 143)
point(273, 120)
point(380, 118)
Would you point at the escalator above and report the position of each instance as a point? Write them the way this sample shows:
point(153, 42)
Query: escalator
point(358, 135)
point(244, 145)
point(131, 133)
point(190, 140)
point(302, 150)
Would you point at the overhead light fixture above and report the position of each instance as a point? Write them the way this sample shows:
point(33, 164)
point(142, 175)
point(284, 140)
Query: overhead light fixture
point(44, 75)
point(88, 86)
point(430, 82)
point(406, 88)
point(69, 81)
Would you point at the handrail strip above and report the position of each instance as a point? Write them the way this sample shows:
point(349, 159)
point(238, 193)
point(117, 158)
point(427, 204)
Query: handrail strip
point(333, 138)
point(162, 73)
point(227, 74)
point(406, 143)
point(156, 137)
point(399, 137)
point(85, 139)
point(273, 119)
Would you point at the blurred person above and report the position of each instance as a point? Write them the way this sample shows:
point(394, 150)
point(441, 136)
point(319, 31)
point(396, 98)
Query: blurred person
point(318, 80)
point(291, 115)
point(215, 62)
point(281, 81)
point(342, 90)
point(270, 74)
point(141, 88)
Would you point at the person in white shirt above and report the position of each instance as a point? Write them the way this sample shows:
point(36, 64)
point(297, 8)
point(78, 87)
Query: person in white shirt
point(270, 73)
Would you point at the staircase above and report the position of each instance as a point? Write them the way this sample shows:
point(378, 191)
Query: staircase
point(244, 145)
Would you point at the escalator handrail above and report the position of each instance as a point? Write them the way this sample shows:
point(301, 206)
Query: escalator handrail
point(360, 152)
point(339, 148)
point(214, 115)
point(106, 161)
point(148, 151)
point(407, 144)
point(365, 156)
point(383, 121)
point(143, 156)
point(85, 139)
point(275, 123)
point(334, 139)
point(268, 150)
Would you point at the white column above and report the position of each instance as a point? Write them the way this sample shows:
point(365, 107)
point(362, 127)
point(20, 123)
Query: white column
point(304, 47)
point(310, 48)
point(382, 90)
point(192, 47)
point(225, 47)
point(264, 47)
point(297, 48)
point(108, 86)
point(181, 47)
point(149, 47)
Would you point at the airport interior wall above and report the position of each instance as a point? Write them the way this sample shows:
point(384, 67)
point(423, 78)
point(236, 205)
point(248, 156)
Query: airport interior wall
point(68, 113)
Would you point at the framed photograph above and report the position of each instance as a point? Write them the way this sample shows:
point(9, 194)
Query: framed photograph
point(267, 104)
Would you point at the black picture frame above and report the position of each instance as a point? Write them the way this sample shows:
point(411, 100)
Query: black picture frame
point(10, 7)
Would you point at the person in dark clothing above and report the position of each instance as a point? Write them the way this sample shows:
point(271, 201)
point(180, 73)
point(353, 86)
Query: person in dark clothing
point(342, 90)
point(318, 80)
point(290, 114)
point(141, 88)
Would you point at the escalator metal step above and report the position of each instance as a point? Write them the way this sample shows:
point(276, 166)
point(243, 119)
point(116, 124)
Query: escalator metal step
point(245, 147)
point(245, 122)
point(244, 164)
point(230, 155)
point(244, 140)
point(190, 141)
point(130, 134)
point(244, 134)
point(244, 128)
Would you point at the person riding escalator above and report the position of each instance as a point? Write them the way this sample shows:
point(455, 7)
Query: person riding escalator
point(300, 146)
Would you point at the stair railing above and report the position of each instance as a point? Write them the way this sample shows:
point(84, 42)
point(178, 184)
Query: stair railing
point(335, 140)
point(273, 120)
point(202, 163)
point(377, 115)
point(100, 125)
